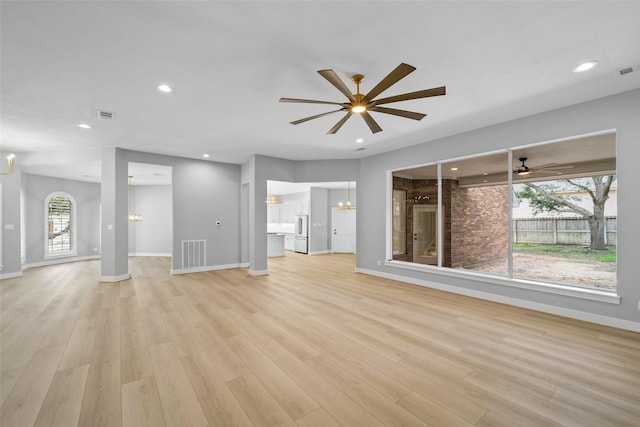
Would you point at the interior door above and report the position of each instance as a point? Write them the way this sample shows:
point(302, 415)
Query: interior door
point(343, 231)
point(425, 234)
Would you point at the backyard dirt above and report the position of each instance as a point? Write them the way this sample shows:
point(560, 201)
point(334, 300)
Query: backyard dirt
point(559, 270)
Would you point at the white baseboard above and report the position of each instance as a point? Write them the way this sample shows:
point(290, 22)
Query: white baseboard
point(258, 272)
point(11, 275)
point(319, 252)
point(207, 268)
point(551, 309)
point(59, 261)
point(113, 279)
point(150, 254)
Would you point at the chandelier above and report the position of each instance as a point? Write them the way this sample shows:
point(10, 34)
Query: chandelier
point(10, 160)
point(272, 199)
point(347, 206)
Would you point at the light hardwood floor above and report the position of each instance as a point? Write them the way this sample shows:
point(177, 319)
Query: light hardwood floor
point(311, 344)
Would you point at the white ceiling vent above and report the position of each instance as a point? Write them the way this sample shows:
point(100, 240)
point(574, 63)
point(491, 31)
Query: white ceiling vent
point(105, 115)
point(627, 70)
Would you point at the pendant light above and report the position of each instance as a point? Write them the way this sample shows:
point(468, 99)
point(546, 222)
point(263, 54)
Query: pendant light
point(272, 199)
point(133, 217)
point(10, 161)
point(348, 205)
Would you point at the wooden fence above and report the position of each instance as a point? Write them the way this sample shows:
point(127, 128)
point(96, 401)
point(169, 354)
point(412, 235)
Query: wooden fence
point(562, 231)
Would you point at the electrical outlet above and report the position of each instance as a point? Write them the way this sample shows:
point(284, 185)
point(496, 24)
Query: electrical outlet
point(638, 304)
point(379, 262)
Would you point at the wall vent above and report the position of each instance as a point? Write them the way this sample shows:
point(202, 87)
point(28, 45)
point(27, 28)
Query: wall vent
point(627, 70)
point(194, 254)
point(105, 115)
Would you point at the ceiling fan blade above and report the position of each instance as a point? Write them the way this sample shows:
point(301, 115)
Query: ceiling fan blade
point(370, 122)
point(436, 91)
point(400, 72)
point(338, 125)
point(309, 101)
point(306, 119)
point(401, 113)
point(333, 78)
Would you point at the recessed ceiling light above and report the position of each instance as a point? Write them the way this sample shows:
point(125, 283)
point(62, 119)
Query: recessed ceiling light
point(359, 140)
point(164, 88)
point(585, 66)
point(84, 126)
point(454, 169)
point(205, 155)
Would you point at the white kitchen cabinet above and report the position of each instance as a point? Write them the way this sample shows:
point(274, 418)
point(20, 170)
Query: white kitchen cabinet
point(287, 213)
point(275, 245)
point(289, 242)
point(302, 208)
point(273, 213)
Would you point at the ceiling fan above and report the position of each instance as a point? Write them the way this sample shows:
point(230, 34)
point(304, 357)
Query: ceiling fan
point(360, 104)
point(551, 168)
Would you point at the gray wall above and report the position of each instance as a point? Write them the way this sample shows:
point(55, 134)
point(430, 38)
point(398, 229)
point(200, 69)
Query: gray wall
point(154, 235)
point(11, 263)
point(36, 188)
point(620, 112)
point(203, 192)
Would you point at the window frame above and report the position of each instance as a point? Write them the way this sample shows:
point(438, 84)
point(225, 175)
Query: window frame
point(73, 251)
point(607, 296)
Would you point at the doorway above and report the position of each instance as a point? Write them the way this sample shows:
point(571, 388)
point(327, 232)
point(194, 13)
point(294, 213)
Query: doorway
point(343, 230)
point(425, 234)
point(150, 208)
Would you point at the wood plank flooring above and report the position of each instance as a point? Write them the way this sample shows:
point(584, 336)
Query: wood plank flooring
point(311, 344)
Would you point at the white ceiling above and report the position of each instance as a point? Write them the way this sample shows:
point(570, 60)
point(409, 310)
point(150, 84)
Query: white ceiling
point(230, 61)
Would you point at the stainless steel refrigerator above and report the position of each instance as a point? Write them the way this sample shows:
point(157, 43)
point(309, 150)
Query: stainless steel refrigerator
point(302, 234)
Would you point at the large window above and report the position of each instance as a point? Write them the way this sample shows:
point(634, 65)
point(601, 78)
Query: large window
point(544, 213)
point(60, 228)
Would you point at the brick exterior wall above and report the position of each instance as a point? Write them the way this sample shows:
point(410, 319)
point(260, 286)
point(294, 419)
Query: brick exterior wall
point(421, 188)
point(475, 220)
point(479, 225)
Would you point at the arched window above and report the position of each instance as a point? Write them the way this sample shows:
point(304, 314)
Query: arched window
point(60, 225)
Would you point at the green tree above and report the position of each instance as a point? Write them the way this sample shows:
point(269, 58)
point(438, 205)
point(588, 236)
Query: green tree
point(546, 198)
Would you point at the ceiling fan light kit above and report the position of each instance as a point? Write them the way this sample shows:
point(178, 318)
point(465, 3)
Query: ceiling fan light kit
point(523, 169)
point(550, 168)
point(362, 104)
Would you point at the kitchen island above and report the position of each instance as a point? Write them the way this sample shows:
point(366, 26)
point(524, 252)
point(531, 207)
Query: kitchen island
point(275, 244)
